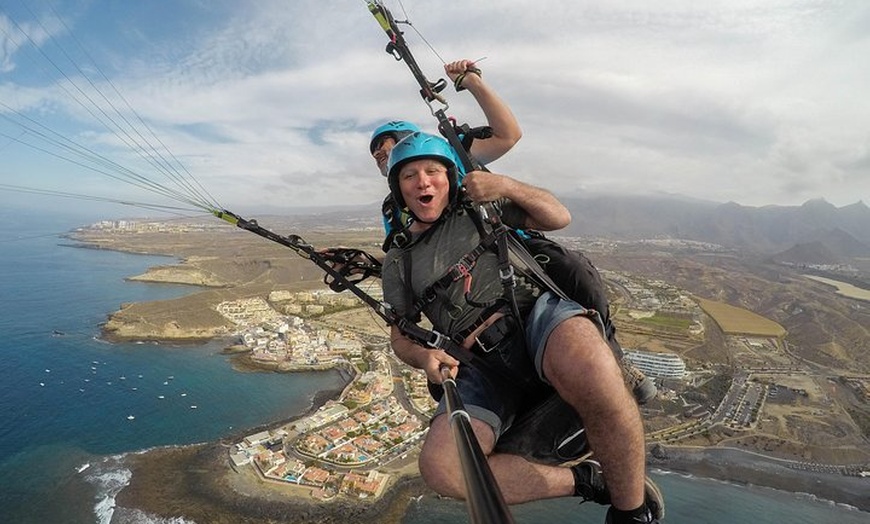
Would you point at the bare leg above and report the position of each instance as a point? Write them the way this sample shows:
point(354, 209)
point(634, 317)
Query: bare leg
point(583, 370)
point(519, 480)
point(581, 367)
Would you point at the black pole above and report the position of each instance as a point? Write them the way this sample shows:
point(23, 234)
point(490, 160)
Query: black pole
point(486, 504)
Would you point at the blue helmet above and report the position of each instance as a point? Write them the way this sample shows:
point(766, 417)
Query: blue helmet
point(397, 129)
point(419, 146)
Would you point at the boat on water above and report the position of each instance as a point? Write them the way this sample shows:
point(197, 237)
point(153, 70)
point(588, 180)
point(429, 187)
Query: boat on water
point(130, 417)
point(83, 467)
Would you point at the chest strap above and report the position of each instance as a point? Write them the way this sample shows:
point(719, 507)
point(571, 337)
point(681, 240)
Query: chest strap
point(460, 270)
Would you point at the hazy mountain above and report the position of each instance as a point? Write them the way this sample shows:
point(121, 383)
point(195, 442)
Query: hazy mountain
point(815, 232)
point(841, 232)
point(809, 253)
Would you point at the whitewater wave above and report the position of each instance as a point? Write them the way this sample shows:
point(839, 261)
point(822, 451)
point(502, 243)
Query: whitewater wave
point(109, 477)
point(828, 502)
point(135, 516)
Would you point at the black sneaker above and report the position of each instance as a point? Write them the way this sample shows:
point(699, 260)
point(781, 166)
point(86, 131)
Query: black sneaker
point(653, 508)
point(589, 482)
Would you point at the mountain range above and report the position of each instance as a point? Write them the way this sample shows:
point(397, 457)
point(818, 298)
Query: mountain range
point(816, 232)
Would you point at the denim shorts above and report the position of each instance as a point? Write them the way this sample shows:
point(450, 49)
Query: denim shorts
point(549, 312)
point(496, 401)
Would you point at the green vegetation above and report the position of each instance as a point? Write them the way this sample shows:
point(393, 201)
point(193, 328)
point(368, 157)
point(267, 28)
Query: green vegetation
point(712, 392)
point(667, 322)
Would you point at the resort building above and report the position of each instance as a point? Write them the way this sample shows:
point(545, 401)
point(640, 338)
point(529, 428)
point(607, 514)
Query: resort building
point(657, 365)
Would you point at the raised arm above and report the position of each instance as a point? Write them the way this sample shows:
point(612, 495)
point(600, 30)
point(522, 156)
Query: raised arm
point(505, 129)
point(545, 212)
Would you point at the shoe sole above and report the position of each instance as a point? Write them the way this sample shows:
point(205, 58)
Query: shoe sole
point(654, 499)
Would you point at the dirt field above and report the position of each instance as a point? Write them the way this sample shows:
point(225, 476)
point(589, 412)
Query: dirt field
point(739, 321)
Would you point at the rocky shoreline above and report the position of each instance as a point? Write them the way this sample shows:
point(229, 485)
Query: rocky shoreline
point(749, 468)
point(196, 482)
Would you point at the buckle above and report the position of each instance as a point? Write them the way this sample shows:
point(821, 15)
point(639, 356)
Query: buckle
point(436, 340)
point(506, 274)
point(481, 345)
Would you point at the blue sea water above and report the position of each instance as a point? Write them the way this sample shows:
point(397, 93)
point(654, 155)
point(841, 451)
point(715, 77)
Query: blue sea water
point(68, 399)
point(688, 500)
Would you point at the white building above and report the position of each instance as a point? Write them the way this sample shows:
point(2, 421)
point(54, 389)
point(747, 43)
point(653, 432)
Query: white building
point(658, 365)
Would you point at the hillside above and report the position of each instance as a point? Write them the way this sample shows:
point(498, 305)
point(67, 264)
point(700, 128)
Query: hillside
point(843, 232)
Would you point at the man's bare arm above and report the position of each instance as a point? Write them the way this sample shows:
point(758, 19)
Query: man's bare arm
point(545, 212)
point(505, 129)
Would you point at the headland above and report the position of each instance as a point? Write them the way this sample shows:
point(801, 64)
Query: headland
point(761, 409)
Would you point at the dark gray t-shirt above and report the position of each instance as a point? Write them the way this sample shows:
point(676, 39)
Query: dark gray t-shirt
point(432, 254)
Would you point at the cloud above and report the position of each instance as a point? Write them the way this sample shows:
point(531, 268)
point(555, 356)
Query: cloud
point(752, 101)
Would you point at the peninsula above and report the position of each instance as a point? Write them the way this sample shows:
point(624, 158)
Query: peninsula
point(751, 392)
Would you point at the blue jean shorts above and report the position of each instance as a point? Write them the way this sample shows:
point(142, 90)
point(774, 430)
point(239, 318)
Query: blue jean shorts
point(549, 312)
point(496, 402)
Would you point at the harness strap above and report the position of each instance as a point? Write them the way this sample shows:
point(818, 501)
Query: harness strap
point(461, 269)
point(505, 268)
point(435, 340)
point(460, 336)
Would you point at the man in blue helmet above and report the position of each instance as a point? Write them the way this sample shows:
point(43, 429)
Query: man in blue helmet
point(505, 129)
point(532, 343)
point(573, 272)
point(465, 75)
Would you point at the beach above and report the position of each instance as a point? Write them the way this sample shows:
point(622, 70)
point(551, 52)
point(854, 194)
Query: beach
point(745, 467)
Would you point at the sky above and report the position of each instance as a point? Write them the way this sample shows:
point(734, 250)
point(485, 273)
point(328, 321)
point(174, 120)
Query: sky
point(269, 105)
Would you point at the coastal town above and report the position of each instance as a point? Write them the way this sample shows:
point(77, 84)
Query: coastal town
point(381, 417)
point(727, 377)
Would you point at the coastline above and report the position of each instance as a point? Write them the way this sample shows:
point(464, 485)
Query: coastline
point(753, 469)
point(196, 482)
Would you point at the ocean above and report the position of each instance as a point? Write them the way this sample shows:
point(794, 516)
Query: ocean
point(73, 407)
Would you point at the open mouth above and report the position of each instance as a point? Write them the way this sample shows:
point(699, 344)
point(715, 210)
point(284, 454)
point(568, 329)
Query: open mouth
point(425, 199)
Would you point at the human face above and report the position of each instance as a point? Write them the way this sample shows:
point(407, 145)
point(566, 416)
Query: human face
point(382, 152)
point(426, 190)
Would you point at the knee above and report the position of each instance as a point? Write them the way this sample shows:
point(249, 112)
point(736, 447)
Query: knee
point(438, 473)
point(577, 349)
point(439, 461)
point(579, 339)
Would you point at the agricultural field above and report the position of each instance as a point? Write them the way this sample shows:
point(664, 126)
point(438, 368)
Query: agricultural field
point(738, 321)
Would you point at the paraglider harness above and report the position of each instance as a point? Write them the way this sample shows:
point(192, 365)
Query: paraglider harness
point(495, 237)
